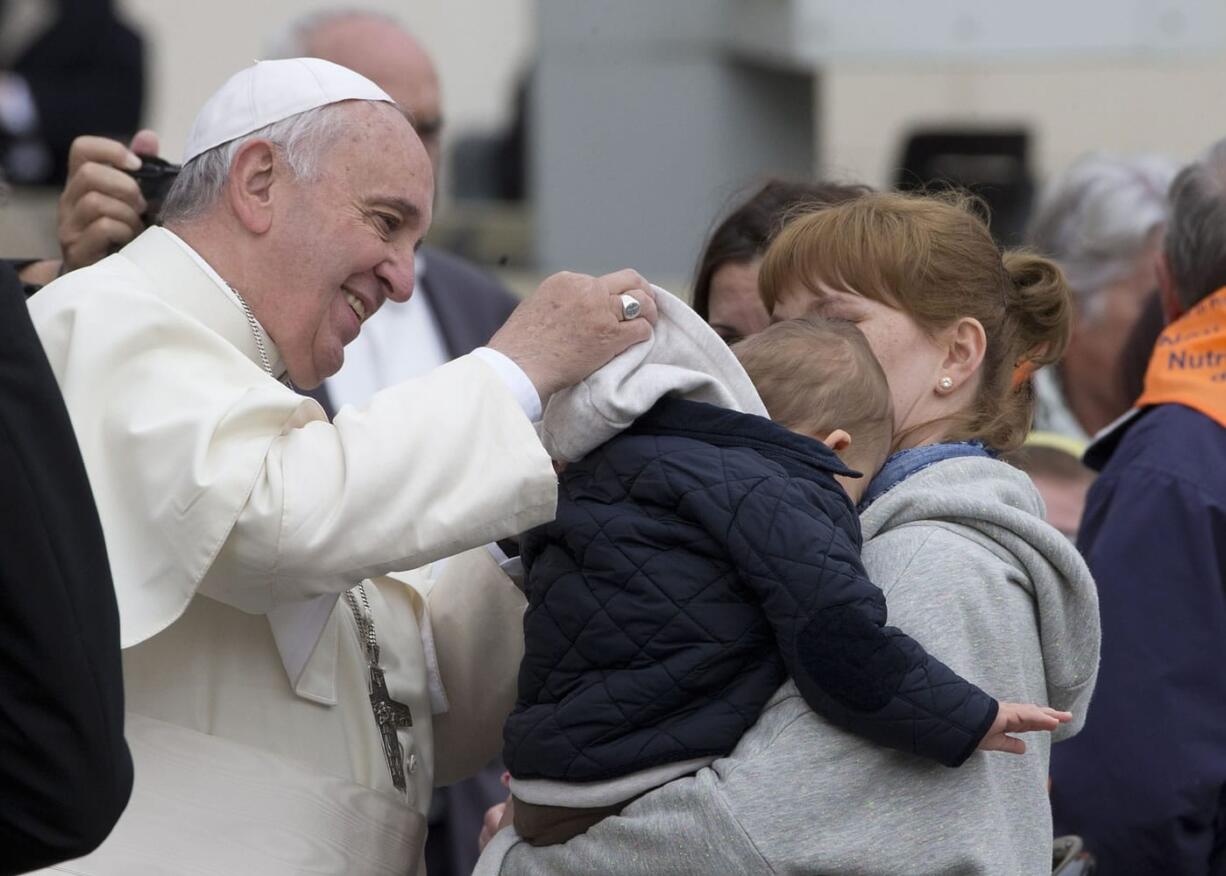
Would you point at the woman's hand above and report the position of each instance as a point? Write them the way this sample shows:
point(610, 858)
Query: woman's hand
point(497, 817)
point(1020, 718)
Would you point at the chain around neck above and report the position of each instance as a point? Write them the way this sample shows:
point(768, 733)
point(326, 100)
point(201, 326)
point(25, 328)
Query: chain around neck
point(255, 332)
point(365, 620)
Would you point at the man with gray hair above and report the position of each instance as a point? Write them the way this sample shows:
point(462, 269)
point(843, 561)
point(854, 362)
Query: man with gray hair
point(289, 701)
point(1102, 221)
point(1148, 796)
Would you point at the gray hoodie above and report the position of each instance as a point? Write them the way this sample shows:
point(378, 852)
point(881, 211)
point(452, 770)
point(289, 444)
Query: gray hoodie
point(971, 571)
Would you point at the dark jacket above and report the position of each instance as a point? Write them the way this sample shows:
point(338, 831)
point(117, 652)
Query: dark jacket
point(1145, 781)
point(65, 771)
point(695, 561)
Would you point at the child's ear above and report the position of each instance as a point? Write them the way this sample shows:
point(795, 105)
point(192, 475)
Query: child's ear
point(838, 440)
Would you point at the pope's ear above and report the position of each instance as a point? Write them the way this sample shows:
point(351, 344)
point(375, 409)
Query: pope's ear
point(249, 188)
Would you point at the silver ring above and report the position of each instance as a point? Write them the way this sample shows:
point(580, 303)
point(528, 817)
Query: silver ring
point(630, 307)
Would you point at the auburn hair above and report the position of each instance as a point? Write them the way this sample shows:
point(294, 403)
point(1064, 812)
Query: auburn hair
point(933, 258)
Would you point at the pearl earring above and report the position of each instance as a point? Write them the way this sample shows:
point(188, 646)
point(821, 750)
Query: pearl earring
point(946, 383)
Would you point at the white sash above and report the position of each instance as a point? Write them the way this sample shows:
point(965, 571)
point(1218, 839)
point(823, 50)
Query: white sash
point(206, 806)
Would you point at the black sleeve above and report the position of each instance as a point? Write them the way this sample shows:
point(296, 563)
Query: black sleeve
point(829, 621)
point(65, 771)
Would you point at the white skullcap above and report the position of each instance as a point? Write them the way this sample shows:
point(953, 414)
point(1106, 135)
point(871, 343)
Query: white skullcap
point(270, 91)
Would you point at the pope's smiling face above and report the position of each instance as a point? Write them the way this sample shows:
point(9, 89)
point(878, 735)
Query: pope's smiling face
point(344, 242)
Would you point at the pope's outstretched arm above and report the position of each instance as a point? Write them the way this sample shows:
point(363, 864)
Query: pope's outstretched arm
point(429, 468)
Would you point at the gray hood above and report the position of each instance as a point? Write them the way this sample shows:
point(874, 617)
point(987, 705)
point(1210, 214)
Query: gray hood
point(1004, 513)
point(684, 357)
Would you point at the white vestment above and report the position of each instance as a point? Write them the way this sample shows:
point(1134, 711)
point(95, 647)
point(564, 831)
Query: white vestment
point(234, 513)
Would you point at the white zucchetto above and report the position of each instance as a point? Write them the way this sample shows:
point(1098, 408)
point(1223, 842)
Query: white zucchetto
point(270, 91)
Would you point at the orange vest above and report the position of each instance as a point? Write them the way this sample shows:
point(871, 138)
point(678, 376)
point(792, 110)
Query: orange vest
point(1188, 366)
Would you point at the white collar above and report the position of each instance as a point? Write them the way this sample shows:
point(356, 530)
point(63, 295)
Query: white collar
point(274, 355)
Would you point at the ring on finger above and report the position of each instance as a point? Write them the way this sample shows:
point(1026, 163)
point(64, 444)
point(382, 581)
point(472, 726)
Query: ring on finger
point(630, 307)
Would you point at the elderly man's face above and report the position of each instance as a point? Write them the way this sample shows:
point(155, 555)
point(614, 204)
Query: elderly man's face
point(345, 242)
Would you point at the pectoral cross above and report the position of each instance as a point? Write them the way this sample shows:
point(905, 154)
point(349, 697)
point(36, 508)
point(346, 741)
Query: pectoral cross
point(389, 715)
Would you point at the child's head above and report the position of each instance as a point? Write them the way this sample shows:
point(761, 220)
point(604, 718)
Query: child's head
point(819, 377)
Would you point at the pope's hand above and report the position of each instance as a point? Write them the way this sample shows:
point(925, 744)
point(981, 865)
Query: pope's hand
point(101, 206)
point(572, 325)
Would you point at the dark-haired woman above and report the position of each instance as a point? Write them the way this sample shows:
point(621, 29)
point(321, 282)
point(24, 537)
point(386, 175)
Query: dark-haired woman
point(726, 284)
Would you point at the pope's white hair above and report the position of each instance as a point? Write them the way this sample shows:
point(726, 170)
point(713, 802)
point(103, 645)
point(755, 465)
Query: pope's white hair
point(301, 141)
point(1098, 217)
point(293, 39)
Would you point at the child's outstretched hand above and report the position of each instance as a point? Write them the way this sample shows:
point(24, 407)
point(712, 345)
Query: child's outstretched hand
point(1020, 718)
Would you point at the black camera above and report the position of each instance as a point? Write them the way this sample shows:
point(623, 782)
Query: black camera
point(154, 176)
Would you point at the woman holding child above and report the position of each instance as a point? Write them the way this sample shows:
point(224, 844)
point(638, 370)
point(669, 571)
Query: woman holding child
point(953, 537)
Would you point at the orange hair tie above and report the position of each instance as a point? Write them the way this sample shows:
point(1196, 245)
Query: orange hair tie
point(1023, 372)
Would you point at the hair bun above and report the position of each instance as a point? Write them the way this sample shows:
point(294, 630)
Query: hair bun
point(1039, 309)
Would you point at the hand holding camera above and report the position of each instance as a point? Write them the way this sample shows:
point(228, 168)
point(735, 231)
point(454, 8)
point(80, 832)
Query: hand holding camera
point(112, 194)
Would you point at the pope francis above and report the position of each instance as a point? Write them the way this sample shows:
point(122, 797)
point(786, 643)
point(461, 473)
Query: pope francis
point(290, 703)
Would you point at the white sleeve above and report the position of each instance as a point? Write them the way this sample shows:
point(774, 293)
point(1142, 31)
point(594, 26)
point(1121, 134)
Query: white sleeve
point(515, 379)
point(429, 468)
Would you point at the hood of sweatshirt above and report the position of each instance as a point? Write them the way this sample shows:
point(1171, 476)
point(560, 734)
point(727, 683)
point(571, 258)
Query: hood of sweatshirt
point(997, 505)
point(684, 357)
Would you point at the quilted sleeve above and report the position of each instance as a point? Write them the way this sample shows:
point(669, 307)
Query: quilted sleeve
point(829, 621)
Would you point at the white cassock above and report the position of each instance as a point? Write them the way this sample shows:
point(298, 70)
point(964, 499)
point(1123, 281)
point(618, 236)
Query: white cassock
point(234, 514)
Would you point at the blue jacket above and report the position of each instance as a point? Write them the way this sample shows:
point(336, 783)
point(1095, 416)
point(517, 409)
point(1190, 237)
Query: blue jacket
point(1145, 781)
point(696, 560)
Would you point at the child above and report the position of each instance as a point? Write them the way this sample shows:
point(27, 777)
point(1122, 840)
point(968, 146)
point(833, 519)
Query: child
point(702, 556)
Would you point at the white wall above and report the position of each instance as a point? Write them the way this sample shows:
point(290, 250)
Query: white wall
point(1126, 106)
point(193, 47)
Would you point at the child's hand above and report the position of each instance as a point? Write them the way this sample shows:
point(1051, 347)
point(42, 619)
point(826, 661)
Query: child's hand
point(1020, 718)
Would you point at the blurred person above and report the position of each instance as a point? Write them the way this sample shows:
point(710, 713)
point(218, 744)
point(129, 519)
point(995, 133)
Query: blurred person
point(1101, 221)
point(956, 541)
point(1149, 799)
point(65, 772)
point(726, 285)
point(656, 628)
point(1062, 479)
point(281, 689)
point(67, 67)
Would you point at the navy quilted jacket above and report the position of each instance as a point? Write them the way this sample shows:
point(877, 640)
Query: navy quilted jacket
point(696, 560)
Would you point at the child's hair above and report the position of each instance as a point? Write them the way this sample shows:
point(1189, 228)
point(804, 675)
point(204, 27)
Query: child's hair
point(816, 375)
point(932, 258)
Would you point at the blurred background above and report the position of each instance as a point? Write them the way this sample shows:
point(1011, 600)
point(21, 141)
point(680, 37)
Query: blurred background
point(595, 134)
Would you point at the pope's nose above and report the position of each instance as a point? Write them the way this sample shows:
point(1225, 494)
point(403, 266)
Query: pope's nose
point(397, 278)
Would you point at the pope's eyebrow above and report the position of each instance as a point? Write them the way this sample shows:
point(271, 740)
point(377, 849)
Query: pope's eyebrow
point(407, 209)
